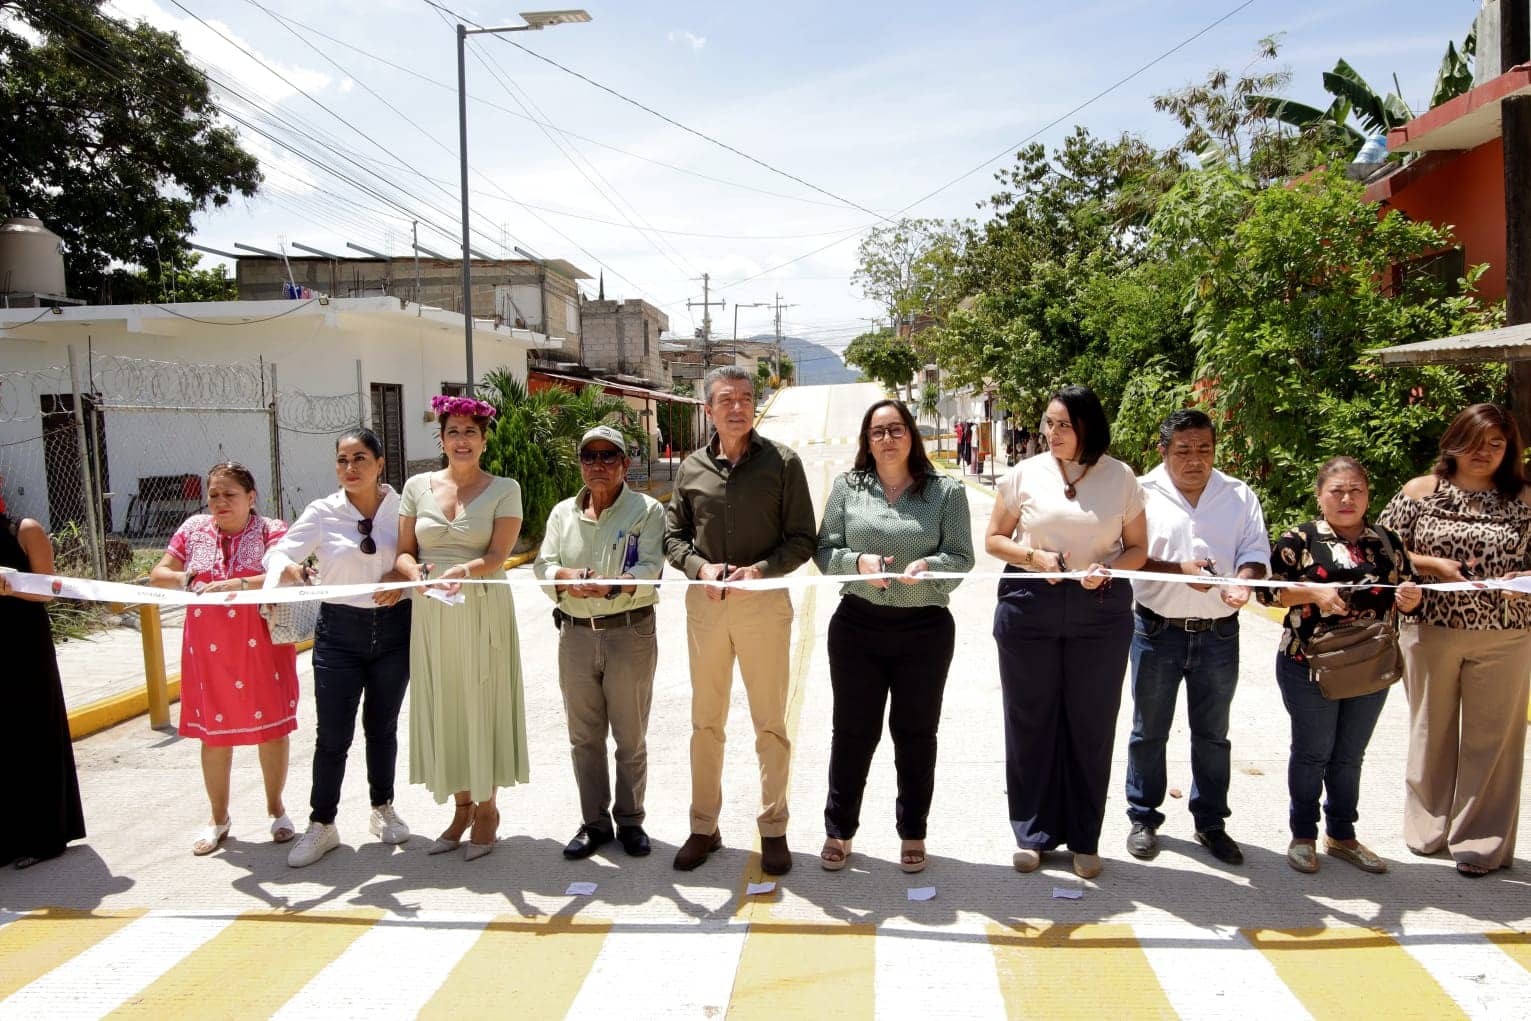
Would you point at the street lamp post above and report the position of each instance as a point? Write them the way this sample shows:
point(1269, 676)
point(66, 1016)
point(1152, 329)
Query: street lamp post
point(737, 307)
point(535, 22)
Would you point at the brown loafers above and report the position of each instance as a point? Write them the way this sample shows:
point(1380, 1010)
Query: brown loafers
point(696, 849)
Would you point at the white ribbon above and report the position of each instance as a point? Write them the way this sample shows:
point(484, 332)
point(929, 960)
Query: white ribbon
point(85, 589)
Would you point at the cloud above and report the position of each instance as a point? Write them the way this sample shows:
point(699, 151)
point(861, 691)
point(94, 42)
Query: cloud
point(237, 63)
point(690, 39)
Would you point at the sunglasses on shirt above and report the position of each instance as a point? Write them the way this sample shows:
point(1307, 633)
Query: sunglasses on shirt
point(368, 545)
point(606, 457)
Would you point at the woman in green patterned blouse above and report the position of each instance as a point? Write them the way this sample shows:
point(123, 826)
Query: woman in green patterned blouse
point(892, 513)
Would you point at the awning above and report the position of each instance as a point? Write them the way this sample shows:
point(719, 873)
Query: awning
point(1465, 122)
point(619, 389)
point(1506, 344)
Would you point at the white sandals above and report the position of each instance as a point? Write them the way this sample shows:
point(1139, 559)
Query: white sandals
point(282, 825)
point(211, 836)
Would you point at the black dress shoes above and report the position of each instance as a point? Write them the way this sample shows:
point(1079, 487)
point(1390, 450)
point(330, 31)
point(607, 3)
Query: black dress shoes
point(586, 841)
point(1143, 842)
point(696, 849)
point(634, 841)
point(1221, 845)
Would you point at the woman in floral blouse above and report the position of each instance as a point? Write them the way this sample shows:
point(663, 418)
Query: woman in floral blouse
point(237, 688)
point(1329, 738)
point(1465, 662)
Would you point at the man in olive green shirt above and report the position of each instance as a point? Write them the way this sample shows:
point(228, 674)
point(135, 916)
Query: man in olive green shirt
point(740, 511)
point(606, 644)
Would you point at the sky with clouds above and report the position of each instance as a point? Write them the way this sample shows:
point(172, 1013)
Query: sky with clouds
point(853, 111)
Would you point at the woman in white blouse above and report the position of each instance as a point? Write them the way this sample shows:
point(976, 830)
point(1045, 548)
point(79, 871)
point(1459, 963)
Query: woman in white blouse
point(1063, 643)
point(361, 643)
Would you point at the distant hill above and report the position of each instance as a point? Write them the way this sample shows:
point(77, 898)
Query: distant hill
point(816, 364)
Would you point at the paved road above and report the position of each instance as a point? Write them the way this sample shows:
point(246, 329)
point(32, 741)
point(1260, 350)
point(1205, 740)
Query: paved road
point(131, 923)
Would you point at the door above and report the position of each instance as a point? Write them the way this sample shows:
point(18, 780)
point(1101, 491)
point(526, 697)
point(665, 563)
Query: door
point(388, 423)
point(61, 461)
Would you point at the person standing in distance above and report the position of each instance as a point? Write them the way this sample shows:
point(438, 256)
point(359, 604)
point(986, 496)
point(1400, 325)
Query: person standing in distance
point(606, 534)
point(1199, 520)
point(740, 512)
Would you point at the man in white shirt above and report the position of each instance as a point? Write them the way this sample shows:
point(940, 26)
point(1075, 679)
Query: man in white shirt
point(1200, 521)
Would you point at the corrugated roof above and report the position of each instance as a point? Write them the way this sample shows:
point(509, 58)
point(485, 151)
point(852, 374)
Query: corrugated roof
point(1506, 344)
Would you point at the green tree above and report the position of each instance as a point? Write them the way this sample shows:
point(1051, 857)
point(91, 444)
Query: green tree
point(908, 267)
point(1232, 114)
point(112, 138)
point(1292, 286)
point(535, 437)
point(1061, 286)
point(881, 356)
point(1353, 97)
point(178, 282)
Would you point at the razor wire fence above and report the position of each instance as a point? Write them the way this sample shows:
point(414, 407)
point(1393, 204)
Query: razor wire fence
point(111, 455)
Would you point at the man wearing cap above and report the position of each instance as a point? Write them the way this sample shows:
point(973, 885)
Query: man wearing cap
point(604, 534)
point(1200, 521)
point(740, 512)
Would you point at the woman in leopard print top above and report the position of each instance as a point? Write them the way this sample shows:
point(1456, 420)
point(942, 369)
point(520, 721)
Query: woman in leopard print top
point(1467, 657)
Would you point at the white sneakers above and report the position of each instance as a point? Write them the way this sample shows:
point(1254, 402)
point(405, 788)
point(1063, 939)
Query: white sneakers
point(317, 841)
point(322, 838)
point(386, 825)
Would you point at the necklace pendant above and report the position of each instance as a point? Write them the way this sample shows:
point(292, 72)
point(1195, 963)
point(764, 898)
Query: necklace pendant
point(1069, 491)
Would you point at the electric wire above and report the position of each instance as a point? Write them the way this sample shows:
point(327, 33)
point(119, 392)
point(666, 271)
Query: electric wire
point(668, 120)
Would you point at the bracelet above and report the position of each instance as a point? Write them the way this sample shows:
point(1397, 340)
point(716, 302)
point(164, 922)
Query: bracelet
point(1026, 560)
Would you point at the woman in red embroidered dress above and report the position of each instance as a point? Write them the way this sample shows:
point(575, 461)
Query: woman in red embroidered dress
point(237, 688)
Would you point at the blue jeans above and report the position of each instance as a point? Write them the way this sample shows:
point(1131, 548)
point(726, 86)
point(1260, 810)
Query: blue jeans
point(1208, 661)
point(358, 652)
point(1329, 740)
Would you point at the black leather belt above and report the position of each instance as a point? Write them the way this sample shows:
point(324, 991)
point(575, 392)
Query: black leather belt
point(1195, 625)
point(606, 622)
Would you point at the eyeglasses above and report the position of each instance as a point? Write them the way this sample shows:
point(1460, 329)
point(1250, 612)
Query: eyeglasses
point(892, 432)
point(606, 457)
point(368, 545)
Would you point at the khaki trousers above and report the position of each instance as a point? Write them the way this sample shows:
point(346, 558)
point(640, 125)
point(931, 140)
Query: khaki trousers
point(1467, 737)
point(756, 629)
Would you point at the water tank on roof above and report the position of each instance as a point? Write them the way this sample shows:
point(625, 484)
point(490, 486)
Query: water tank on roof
point(31, 258)
point(1374, 151)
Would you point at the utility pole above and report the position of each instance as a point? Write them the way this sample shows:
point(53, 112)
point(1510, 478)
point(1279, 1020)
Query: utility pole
point(414, 242)
point(779, 307)
point(706, 306)
point(1515, 116)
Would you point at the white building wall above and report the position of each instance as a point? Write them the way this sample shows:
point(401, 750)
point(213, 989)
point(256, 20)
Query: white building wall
point(314, 354)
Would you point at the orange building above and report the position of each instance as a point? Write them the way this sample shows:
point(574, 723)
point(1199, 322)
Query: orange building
point(1459, 179)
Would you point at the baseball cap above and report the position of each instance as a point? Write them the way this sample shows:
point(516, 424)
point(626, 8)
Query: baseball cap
point(607, 433)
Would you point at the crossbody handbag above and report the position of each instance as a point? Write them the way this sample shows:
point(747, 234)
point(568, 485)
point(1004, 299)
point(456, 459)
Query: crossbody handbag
point(291, 623)
point(1356, 659)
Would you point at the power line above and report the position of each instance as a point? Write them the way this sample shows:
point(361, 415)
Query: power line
point(1088, 102)
point(1010, 149)
point(506, 83)
point(668, 120)
point(310, 30)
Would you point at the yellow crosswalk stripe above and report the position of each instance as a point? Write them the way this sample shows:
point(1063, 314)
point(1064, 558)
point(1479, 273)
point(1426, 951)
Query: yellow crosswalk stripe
point(1516, 944)
point(252, 967)
point(32, 946)
point(793, 969)
point(532, 967)
point(1039, 982)
point(1325, 968)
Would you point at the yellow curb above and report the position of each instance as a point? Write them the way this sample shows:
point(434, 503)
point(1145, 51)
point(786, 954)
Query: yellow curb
point(97, 716)
point(761, 414)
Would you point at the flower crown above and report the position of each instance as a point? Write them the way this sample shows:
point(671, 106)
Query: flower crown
point(445, 405)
